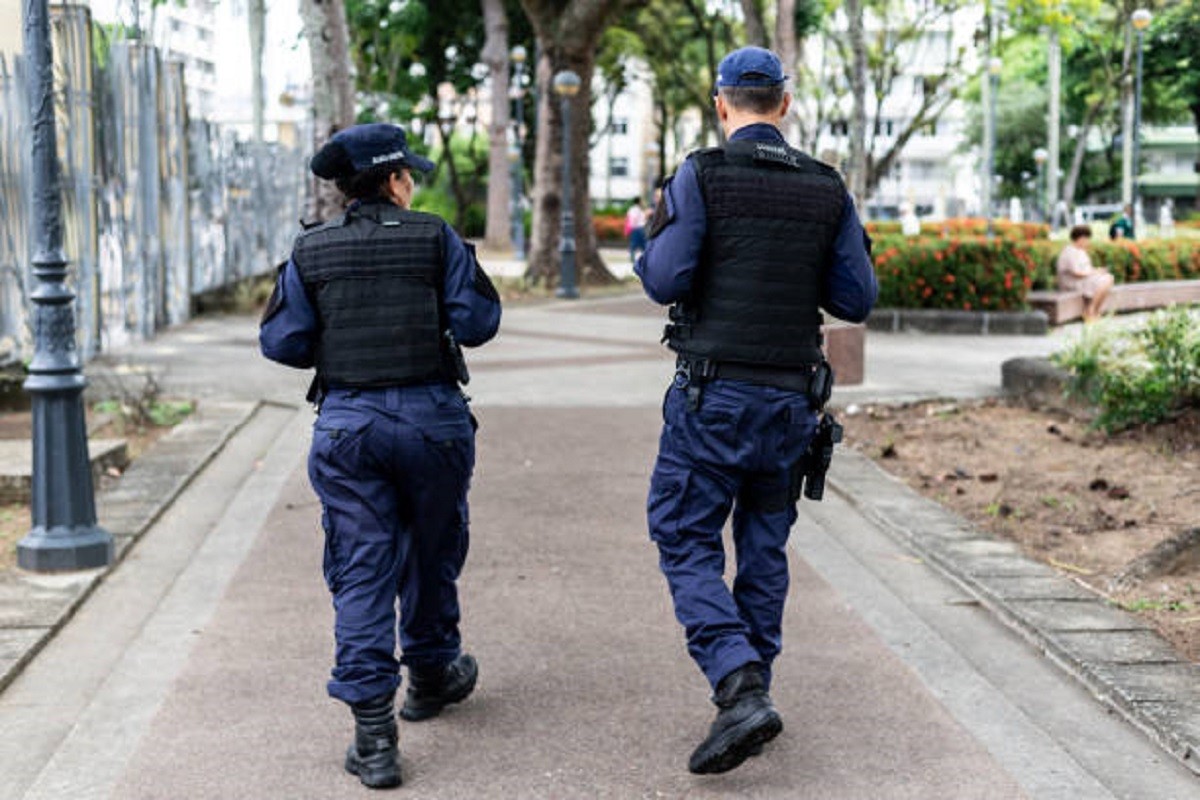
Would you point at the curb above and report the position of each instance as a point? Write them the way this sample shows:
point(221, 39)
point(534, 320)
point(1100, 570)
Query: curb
point(128, 510)
point(980, 323)
point(1120, 659)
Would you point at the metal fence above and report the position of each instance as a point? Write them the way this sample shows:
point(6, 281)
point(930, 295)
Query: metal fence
point(158, 207)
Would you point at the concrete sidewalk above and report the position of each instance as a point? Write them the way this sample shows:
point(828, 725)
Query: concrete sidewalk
point(196, 670)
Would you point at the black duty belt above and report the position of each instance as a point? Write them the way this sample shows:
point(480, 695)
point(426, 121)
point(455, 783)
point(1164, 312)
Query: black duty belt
point(802, 379)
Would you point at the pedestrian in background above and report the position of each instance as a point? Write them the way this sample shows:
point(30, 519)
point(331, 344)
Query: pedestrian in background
point(635, 229)
point(1122, 227)
point(1076, 273)
point(379, 300)
point(748, 242)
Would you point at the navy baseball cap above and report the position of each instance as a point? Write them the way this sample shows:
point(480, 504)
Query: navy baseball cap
point(750, 66)
point(361, 147)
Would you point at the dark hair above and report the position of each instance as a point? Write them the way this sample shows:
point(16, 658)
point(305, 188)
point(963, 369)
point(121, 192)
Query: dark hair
point(369, 182)
point(753, 99)
point(1080, 232)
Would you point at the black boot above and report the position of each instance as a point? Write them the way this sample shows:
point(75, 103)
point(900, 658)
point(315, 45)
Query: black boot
point(746, 721)
point(429, 691)
point(374, 756)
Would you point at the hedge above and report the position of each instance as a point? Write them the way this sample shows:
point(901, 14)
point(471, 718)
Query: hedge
point(966, 274)
point(960, 227)
point(975, 274)
point(1129, 262)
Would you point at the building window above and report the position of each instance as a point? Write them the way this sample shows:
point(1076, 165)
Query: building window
point(618, 167)
point(839, 127)
point(884, 127)
point(619, 126)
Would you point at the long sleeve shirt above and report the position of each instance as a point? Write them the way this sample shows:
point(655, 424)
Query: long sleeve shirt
point(668, 266)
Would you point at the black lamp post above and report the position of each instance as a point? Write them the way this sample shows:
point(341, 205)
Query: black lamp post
point(566, 85)
point(64, 534)
point(1140, 20)
point(518, 57)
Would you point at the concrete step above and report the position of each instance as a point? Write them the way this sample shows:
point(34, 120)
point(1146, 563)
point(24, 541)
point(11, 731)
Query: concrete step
point(16, 464)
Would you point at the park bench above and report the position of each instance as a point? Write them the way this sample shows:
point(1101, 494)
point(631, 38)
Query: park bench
point(1062, 307)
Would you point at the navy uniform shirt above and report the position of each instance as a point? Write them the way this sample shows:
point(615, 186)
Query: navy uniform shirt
point(289, 333)
point(668, 266)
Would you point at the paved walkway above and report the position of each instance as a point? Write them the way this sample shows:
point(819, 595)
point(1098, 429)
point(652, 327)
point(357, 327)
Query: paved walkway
point(196, 670)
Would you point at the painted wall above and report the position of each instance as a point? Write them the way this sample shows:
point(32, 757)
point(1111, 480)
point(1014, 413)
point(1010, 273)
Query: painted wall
point(10, 27)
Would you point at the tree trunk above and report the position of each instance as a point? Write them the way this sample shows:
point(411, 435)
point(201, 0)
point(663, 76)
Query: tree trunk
point(567, 35)
point(256, 12)
point(756, 30)
point(498, 234)
point(857, 161)
point(785, 45)
point(328, 39)
point(1085, 129)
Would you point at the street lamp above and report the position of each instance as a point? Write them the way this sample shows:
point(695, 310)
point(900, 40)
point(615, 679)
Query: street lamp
point(1040, 156)
point(518, 56)
point(994, 67)
point(1141, 21)
point(64, 534)
point(566, 86)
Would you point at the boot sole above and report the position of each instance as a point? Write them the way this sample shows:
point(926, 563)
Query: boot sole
point(384, 780)
point(737, 744)
point(428, 709)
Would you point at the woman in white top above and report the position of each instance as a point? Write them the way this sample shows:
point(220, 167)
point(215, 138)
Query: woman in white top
point(1076, 273)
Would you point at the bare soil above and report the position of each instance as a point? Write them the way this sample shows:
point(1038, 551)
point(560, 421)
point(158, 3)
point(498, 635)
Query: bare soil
point(15, 517)
point(1085, 503)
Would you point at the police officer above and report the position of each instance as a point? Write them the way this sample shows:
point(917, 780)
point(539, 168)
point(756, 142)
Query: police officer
point(378, 300)
point(749, 241)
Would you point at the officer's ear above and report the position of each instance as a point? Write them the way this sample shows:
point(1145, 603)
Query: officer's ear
point(787, 105)
point(722, 109)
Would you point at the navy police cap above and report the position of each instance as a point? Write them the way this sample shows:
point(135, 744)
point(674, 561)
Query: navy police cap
point(361, 147)
point(750, 66)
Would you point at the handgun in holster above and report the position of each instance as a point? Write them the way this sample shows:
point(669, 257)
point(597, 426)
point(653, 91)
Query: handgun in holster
point(456, 356)
point(808, 476)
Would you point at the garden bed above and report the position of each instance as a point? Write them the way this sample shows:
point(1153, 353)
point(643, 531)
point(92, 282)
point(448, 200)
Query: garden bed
point(1086, 503)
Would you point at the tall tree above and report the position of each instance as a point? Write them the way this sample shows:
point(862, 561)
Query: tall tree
point(756, 28)
point(568, 34)
point(495, 56)
point(328, 39)
point(1173, 59)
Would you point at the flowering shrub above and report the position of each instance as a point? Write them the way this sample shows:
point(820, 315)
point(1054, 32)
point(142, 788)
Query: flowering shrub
point(965, 274)
point(609, 228)
point(1129, 261)
point(967, 227)
point(973, 274)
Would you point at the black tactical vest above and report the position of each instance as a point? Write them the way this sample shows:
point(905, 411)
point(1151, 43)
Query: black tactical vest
point(375, 277)
point(773, 214)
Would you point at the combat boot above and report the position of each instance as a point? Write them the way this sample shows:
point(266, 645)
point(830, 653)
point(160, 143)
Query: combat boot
point(431, 690)
point(746, 720)
point(374, 756)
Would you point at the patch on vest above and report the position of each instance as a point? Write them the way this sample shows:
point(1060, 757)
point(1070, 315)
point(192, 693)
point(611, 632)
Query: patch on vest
point(777, 154)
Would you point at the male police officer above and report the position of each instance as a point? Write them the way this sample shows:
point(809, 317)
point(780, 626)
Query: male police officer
point(378, 301)
point(748, 242)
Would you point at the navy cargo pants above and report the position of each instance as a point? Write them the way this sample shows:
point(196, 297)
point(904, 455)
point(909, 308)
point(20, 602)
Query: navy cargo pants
point(734, 452)
point(392, 468)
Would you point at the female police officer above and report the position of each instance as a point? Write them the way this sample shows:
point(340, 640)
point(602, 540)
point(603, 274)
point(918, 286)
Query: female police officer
point(376, 301)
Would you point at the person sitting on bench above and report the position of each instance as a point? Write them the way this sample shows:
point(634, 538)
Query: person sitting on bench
point(1076, 273)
